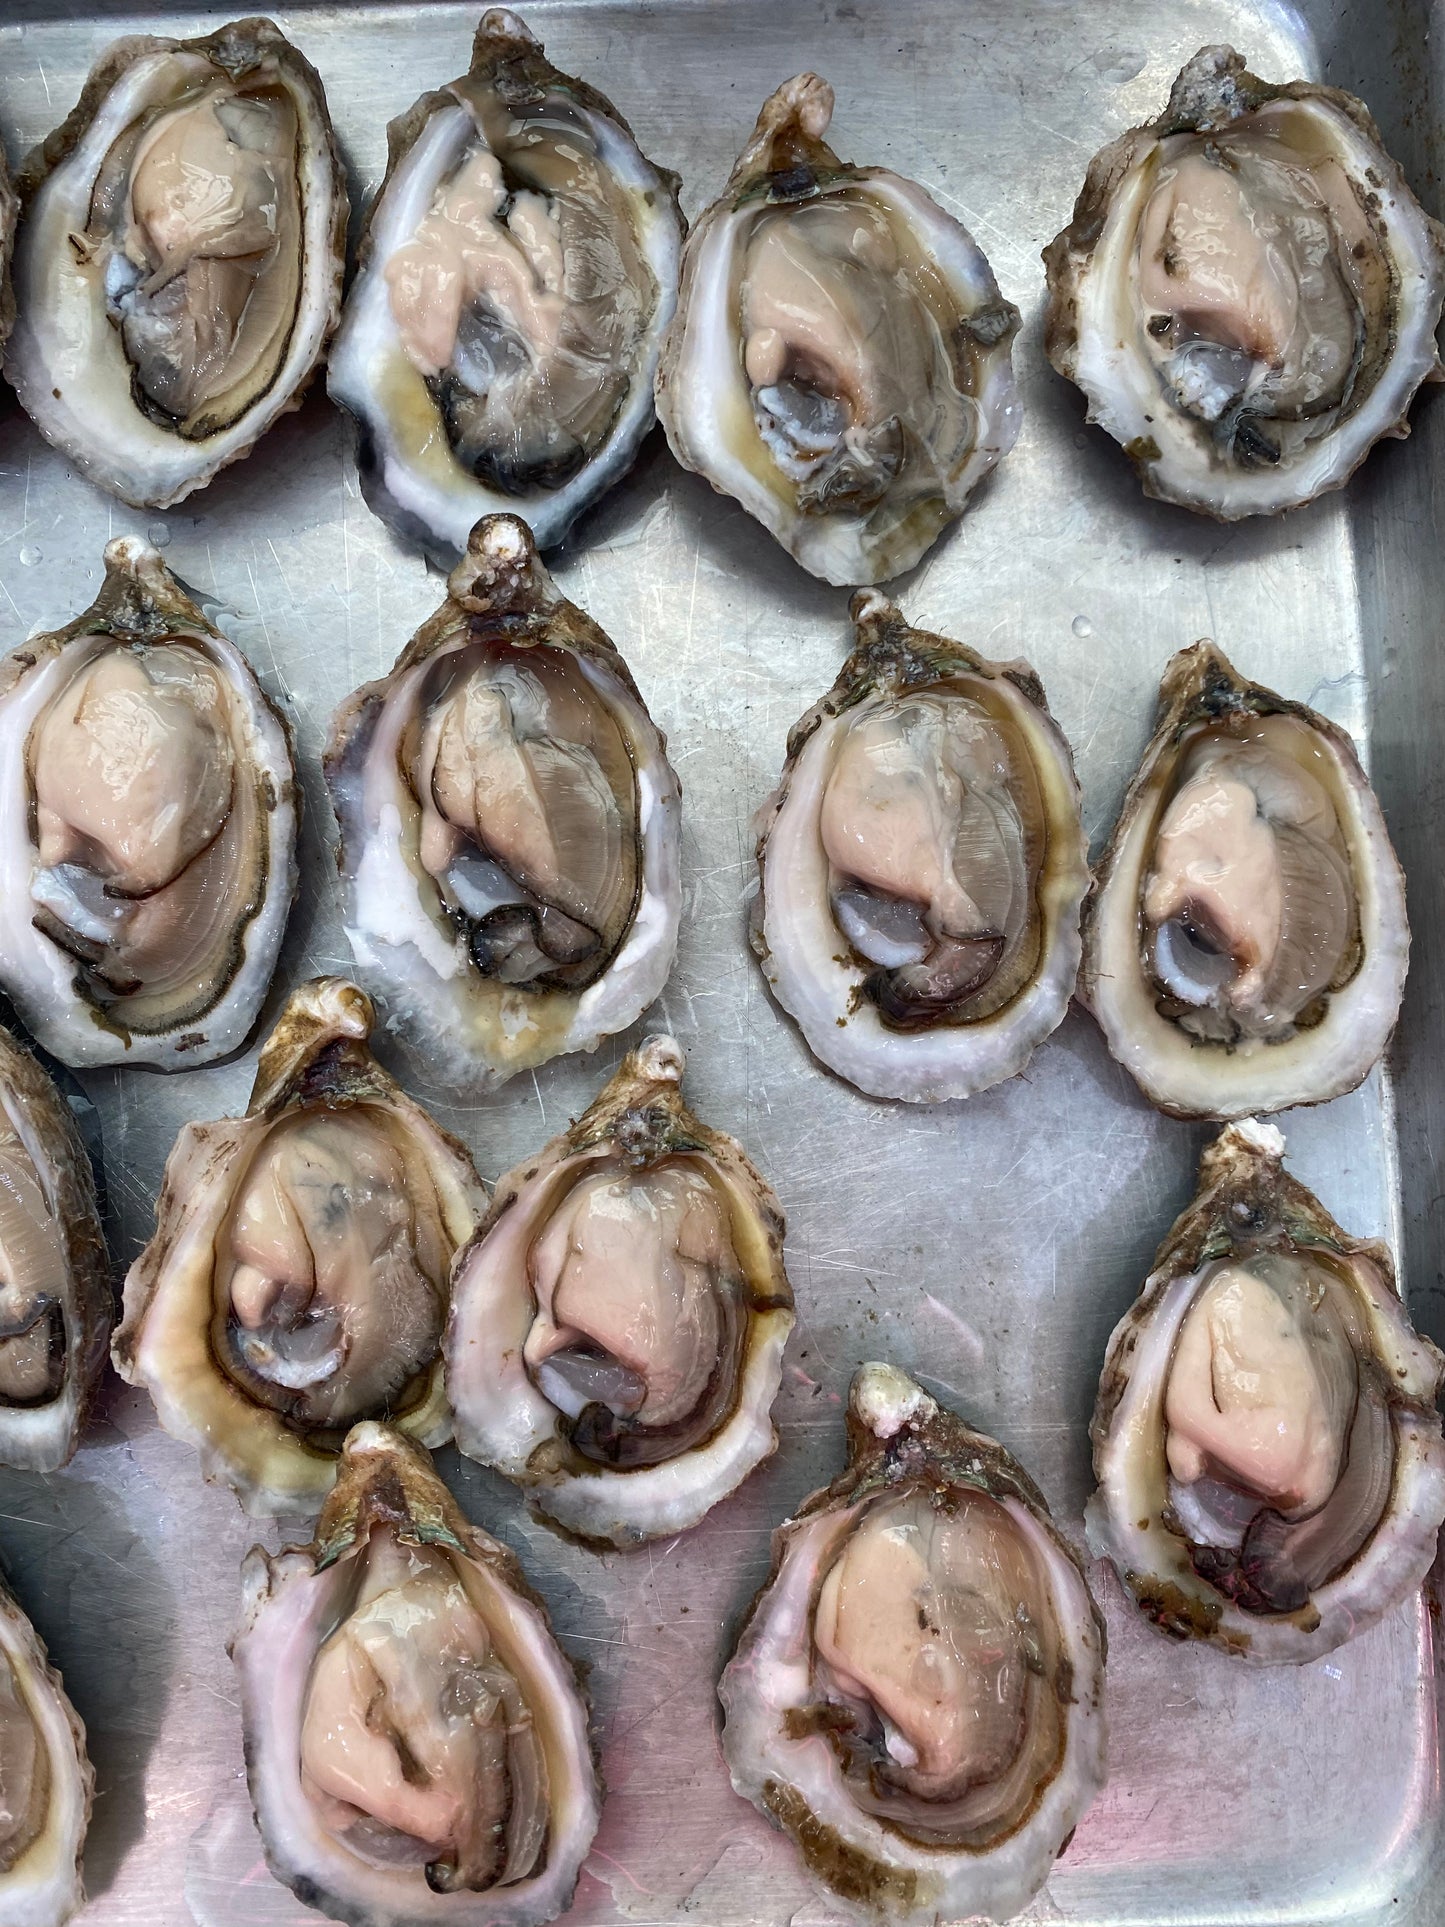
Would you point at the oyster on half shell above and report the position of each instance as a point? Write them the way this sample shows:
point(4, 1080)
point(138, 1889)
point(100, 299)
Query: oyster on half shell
point(518, 267)
point(840, 359)
point(1270, 1466)
point(55, 1293)
point(1246, 943)
point(178, 267)
point(416, 1742)
point(510, 826)
point(297, 1281)
point(47, 1781)
point(148, 812)
point(618, 1320)
point(1248, 292)
point(921, 867)
point(916, 1693)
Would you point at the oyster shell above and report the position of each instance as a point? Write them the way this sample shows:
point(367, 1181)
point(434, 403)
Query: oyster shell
point(510, 826)
point(145, 874)
point(916, 1693)
point(1248, 292)
point(297, 1279)
point(618, 1320)
point(9, 210)
point(1269, 1457)
point(922, 864)
point(416, 1742)
point(840, 360)
point(1246, 943)
point(518, 267)
point(47, 1778)
point(55, 1295)
point(178, 268)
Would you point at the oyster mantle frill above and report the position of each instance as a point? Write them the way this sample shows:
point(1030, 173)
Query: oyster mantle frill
point(510, 826)
point(416, 1743)
point(618, 1321)
point(916, 1693)
point(1248, 292)
point(297, 1281)
point(1270, 1466)
point(921, 867)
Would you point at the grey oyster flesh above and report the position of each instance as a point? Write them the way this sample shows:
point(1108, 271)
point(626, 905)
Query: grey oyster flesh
point(1265, 284)
point(935, 1657)
point(331, 1274)
point(32, 1282)
point(195, 230)
point(150, 840)
point(1279, 1440)
point(934, 829)
point(528, 807)
point(1248, 913)
point(523, 295)
point(641, 1314)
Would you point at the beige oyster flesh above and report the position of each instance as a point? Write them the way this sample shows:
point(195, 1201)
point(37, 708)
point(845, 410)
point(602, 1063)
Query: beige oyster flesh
point(9, 211)
point(416, 1742)
point(179, 261)
point(921, 867)
point(1248, 292)
point(840, 360)
point(916, 1693)
point(297, 1280)
point(55, 1293)
point(148, 812)
point(510, 826)
point(1271, 1472)
point(1246, 943)
point(517, 269)
point(47, 1782)
point(618, 1321)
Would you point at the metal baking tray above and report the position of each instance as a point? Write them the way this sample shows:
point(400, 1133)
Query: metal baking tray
point(988, 1246)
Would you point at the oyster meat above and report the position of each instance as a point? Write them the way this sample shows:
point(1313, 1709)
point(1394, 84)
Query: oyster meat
point(46, 1779)
point(916, 1693)
point(416, 1742)
point(178, 268)
point(9, 211)
point(921, 867)
point(518, 267)
point(840, 360)
point(618, 1321)
point(1248, 292)
point(1271, 1472)
point(148, 814)
point(1246, 943)
point(510, 826)
point(297, 1279)
point(55, 1295)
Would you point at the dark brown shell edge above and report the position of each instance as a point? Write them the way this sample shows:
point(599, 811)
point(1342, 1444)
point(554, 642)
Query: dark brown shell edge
point(1200, 101)
point(1201, 684)
point(77, 1208)
point(227, 48)
point(9, 213)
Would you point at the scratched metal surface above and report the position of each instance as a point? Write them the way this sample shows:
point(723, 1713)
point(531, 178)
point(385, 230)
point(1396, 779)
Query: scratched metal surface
point(990, 1247)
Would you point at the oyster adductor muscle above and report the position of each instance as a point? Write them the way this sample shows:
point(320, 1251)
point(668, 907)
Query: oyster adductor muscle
point(618, 1321)
point(518, 268)
point(921, 865)
point(179, 261)
point(1246, 942)
point(148, 817)
point(297, 1282)
point(55, 1292)
point(1270, 1466)
point(510, 826)
point(840, 359)
point(417, 1744)
point(1248, 292)
point(46, 1778)
point(916, 1693)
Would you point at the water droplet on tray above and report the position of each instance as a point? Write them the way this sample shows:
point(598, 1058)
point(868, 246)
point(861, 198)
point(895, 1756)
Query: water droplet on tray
point(30, 555)
point(159, 534)
point(1082, 626)
point(1116, 65)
